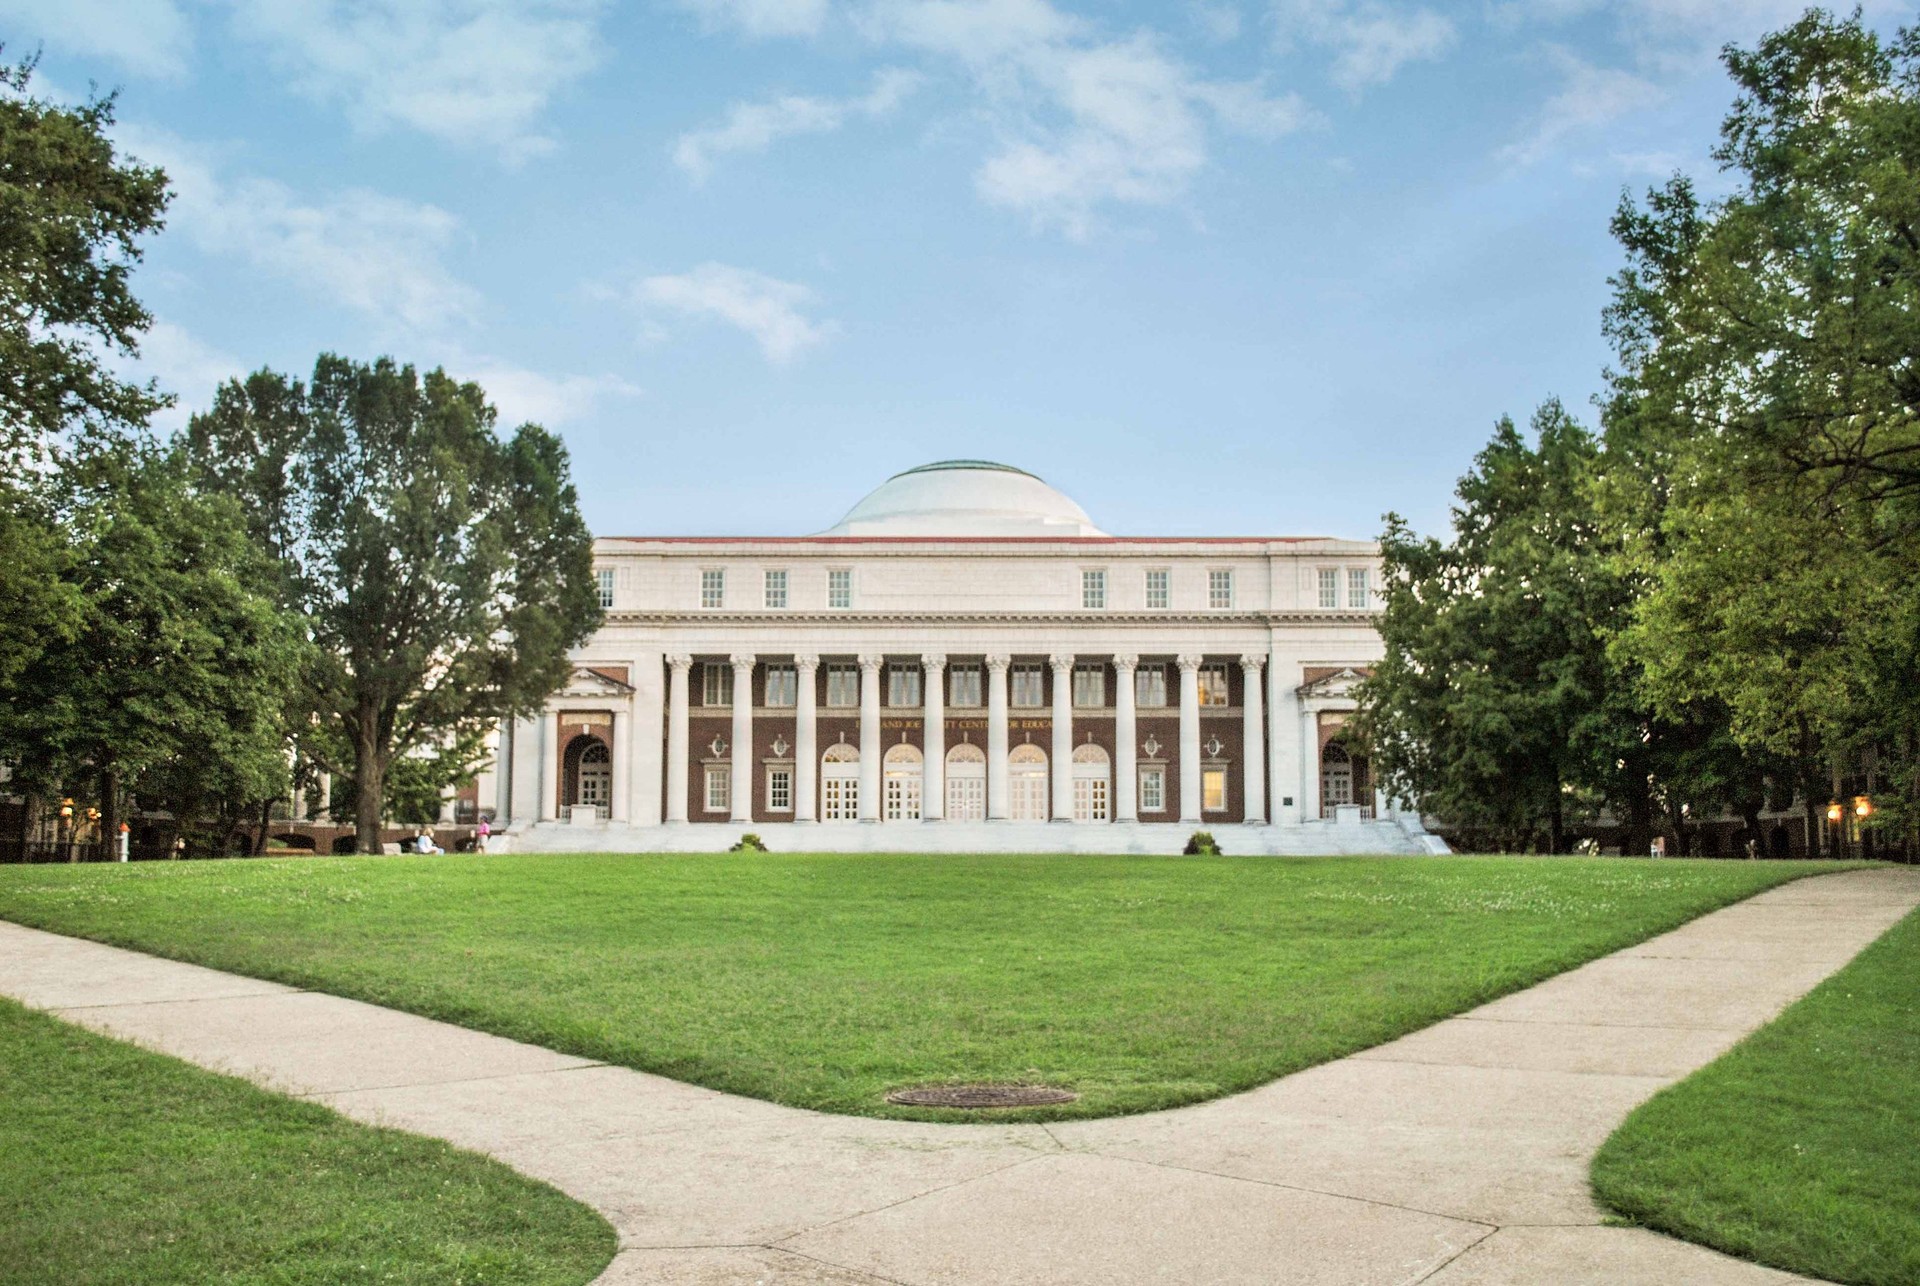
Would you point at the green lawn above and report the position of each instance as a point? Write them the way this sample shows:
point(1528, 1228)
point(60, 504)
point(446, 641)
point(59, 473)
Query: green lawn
point(823, 981)
point(1801, 1147)
point(123, 1166)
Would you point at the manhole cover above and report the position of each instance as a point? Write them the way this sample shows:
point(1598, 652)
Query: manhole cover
point(981, 1096)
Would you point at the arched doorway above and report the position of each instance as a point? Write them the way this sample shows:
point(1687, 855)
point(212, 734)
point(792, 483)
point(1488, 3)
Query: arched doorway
point(588, 766)
point(966, 783)
point(902, 783)
point(1092, 784)
point(1343, 779)
point(840, 783)
point(1027, 784)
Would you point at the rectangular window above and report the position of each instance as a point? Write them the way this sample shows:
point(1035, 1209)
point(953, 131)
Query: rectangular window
point(1093, 590)
point(719, 788)
point(603, 580)
point(1090, 686)
point(840, 587)
point(713, 588)
point(1213, 685)
point(1153, 790)
point(1213, 790)
point(1027, 689)
point(783, 686)
point(1329, 587)
point(1220, 588)
point(903, 685)
point(716, 684)
point(843, 685)
point(963, 686)
point(776, 589)
point(1356, 587)
point(1156, 588)
point(1150, 686)
point(779, 790)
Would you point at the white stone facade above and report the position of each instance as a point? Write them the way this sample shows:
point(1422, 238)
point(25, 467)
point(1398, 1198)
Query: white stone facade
point(964, 662)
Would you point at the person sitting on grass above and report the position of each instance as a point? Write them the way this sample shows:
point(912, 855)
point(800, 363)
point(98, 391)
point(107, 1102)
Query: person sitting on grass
point(423, 843)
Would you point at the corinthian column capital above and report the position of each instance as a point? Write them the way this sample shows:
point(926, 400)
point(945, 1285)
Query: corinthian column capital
point(1125, 662)
point(680, 661)
point(1252, 663)
point(806, 662)
point(741, 661)
point(872, 661)
point(934, 661)
point(998, 661)
point(1188, 661)
point(1061, 662)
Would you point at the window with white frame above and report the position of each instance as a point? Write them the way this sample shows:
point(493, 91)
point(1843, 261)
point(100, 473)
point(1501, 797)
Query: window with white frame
point(713, 588)
point(719, 788)
point(963, 686)
point(776, 589)
point(1213, 790)
point(603, 581)
point(783, 685)
point(716, 684)
point(1220, 587)
point(1150, 686)
point(779, 790)
point(1026, 688)
point(840, 587)
point(843, 685)
point(1090, 686)
point(1356, 587)
point(1153, 789)
point(1329, 587)
point(1157, 596)
point(1093, 588)
point(1213, 685)
point(903, 685)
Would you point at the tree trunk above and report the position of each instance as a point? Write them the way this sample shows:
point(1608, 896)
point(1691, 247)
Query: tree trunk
point(370, 775)
point(109, 812)
point(1639, 823)
point(1557, 824)
point(266, 824)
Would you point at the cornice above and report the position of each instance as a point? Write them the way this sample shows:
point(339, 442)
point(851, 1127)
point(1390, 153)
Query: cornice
point(711, 618)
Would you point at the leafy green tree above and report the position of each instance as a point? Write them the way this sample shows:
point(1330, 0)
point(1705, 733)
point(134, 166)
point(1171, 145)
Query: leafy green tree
point(443, 571)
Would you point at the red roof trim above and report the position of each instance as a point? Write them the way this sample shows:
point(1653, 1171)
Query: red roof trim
point(968, 540)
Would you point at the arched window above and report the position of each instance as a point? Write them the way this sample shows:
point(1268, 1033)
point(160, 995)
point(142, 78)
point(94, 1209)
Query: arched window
point(966, 783)
point(1336, 777)
point(1027, 783)
point(588, 768)
point(840, 783)
point(1092, 784)
point(900, 785)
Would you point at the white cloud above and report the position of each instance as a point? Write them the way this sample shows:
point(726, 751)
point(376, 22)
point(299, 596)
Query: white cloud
point(1589, 98)
point(184, 366)
point(753, 127)
point(977, 32)
point(765, 308)
point(1219, 22)
point(147, 37)
point(524, 395)
point(761, 18)
point(1370, 40)
point(475, 73)
point(374, 253)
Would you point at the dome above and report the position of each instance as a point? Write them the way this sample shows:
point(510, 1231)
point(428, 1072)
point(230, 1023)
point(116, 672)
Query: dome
point(965, 498)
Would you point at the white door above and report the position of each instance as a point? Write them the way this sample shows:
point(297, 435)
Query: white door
point(902, 784)
point(840, 784)
point(1027, 785)
point(1092, 784)
point(596, 777)
point(966, 784)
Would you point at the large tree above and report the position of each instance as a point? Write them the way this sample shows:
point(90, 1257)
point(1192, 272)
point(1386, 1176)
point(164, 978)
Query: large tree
point(444, 571)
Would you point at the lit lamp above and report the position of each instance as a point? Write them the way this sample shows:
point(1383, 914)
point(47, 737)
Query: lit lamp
point(1862, 806)
point(1834, 812)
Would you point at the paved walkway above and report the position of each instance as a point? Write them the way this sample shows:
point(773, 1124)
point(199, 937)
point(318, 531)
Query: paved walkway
point(1454, 1156)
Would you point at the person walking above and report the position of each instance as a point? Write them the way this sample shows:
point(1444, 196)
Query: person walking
point(480, 835)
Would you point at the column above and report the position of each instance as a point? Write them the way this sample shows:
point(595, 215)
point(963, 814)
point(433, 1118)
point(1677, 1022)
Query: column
point(741, 793)
point(870, 666)
point(1189, 738)
point(622, 747)
point(997, 737)
point(1126, 755)
point(677, 734)
point(1253, 744)
point(1309, 764)
point(806, 757)
point(933, 737)
point(1062, 736)
point(1282, 767)
point(548, 772)
point(646, 743)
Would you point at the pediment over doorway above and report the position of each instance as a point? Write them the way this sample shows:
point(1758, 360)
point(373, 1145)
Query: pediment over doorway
point(1330, 682)
point(596, 681)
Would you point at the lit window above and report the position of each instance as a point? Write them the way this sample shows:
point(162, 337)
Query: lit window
point(779, 790)
point(903, 685)
point(719, 788)
point(776, 589)
point(783, 685)
point(1027, 688)
point(963, 685)
point(1093, 590)
point(1090, 686)
point(1329, 587)
point(843, 685)
point(713, 588)
point(1213, 790)
point(1356, 587)
point(603, 580)
point(1150, 685)
point(716, 684)
point(1153, 790)
point(1156, 587)
point(1220, 588)
point(1213, 685)
point(840, 587)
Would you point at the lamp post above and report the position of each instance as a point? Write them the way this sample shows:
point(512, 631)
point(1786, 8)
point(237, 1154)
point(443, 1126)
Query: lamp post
point(1839, 835)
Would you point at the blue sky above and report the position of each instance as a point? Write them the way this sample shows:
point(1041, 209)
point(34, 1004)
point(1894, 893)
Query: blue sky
point(1214, 268)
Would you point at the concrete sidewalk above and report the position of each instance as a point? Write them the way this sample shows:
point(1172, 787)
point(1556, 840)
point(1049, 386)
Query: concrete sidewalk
point(1454, 1156)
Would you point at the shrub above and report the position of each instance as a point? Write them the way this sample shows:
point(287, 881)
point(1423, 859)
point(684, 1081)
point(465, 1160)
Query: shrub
point(1201, 844)
point(749, 843)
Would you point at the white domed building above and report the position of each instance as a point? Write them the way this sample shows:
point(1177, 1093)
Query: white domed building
point(964, 662)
